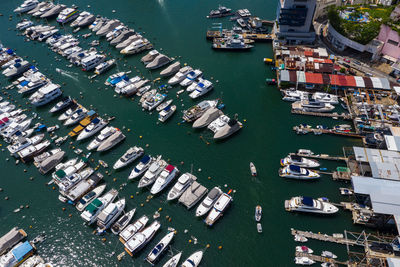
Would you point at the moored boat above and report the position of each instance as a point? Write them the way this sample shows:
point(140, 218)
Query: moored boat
point(122, 222)
point(193, 260)
point(158, 249)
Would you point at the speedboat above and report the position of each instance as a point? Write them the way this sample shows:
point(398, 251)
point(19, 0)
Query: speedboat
point(95, 126)
point(224, 127)
point(202, 88)
point(180, 75)
point(134, 87)
point(258, 213)
point(184, 181)
point(46, 94)
point(96, 206)
point(300, 238)
point(299, 161)
point(115, 78)
point(41, 157)
point(165, 177)
point(296, 172)
point(122, 222)
point(129, 156)
point(304, 249)
point(328, 254)
point(166, 113)
point(137, 46)
point(90, 62)
point(208, 202)
point(253, 169)
point(191, 77)
point(67, 15)
point(307, 204)
point(85, 18)
point(303, 261)
point(164, 105)
point(312, 106)
point(78, 115)
point(151, 174)
point(124, 83)
point(44, 35)
point(108, 215)
point(64, 103)
point(140, 239)
point(193, 260)
point(294, 95)
point(89, 117)
point(133, 228)
point(325, 98)
point(158, 62)
point(104, 134)
point(171, 69)
point(104, 66)
point(68, 113)
point(89, 197)
point(16, 69)
point(14, 127)
point(98, 23)
point(24, 24)
point(115, 32)
point(149, 57)
point(153, 101)
point(196, 111)
point(37, 81)
point(158, 249)
point(111, 141)
point(28, 153)
point(173, 262)
point(26, 6)
point(209, 116)
point(219, 207)
point(139, 169)
point(23, 143)
point(41, 8)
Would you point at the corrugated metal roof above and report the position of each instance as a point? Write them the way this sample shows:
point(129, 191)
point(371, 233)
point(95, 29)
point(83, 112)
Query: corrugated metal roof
point(368, 82)
point(301, 77)
point(385, 170)
point(359, 81)
point(394, 262)
point(385, 84)
point(376, 82)
point(285, 76)
point(315, 78)
point(351, 82)
point(392, 142)
point(376, 155)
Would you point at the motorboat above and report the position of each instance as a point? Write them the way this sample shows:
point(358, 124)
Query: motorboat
point(328, 254)
point(173, 262)
point(71, 180)
point(111, 141)
point(193, 260)
point(16, 69)
point(209, 116)
point(303, 261)
point(140, 239)
point(123, 36)
point(153, 101)
point(67, 15)
point(312, 106)
point(25, 23)
point(98, 23)
point(130, 230)
point(37, 81)
point(139, 169)
point(96, 125)
point(164, 105)
point(26, 6)
point(115, 32)
point(299, 161)
point(219, 207)
point(50, 162)
point(97, 205)
point(53, 12)
point(68, 113)
point(23, 143)
point(90, 116)
point(166, 113)
point(39, 158)
point(159, 248)
point(44, 35)
point(149, 57)
point(14, 127)
point(202, 88)
point(28, 153)
point(184, 181)
point(224, 126)
point(296, 172)
point(134, 87)
point(92, 61)
point(89, 197)
point(180, 75)
point(171, 69)
point(291, 95)
point(17, 254)
point(158, 62)
point(104, 66)
point(77, 115)
point(109, 214)
point(107, 27)
point(222, 11)
point(129, 156)
point(46, 94)
point(37, 8)
point(193, 86)
point(234, 42)
point(259, 228)
point(192, 195)
point(304, 249)
point(196, 111)
point(325, 98)
point(253, 169)
point(129, 41)
point(104, 134)
point(85, 18)
point(137, 47)
point(191, 77)
point(165, 177)
point(258, 213)
point(115, 78)
point(122, 222)
point(300, 238)
point(41, 8)
point(152, 173)
point(208, 202)
point(125, 82)
point(64, 103)
point(307, 204)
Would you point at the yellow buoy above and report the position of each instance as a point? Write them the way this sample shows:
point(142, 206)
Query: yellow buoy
point(53, 188)
point(220, 247)
point(190, 240)
point(115, 179)
point(140, 137)
point(159, 209)
point(208, 245)
point(30, 226)
point(129, 130)
point(131, 196)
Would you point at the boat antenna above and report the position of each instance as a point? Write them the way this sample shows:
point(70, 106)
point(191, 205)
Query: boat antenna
point(191, 168)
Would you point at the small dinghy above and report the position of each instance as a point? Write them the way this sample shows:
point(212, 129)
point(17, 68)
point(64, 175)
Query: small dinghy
point(253, 169)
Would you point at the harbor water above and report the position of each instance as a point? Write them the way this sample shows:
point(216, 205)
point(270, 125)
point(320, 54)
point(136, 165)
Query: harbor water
point(178, 28)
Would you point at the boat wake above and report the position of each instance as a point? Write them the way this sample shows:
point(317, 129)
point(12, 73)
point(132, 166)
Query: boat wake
point(69, 74)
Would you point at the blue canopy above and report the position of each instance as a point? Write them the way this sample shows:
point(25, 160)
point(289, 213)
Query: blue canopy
point(95, 120)
point(308, 201)
point(22, 250)
point(23, 83)
point(91, 113)
point(145, 159)
point(294, 168)
point(10, 51)
point(167, 108)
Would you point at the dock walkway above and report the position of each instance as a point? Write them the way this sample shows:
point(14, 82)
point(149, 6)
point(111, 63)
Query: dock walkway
point(318, 258)
point(344, 116)
point(321, 156)
point(305, 130)
point(328, 238)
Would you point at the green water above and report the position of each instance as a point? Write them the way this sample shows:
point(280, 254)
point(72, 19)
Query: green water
point(178, 27)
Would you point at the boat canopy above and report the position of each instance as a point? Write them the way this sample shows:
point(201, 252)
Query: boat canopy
point(60, 173)
point(214, 193)
point(22, 250)
point(170, 168)
point(296, 158)
point(91, 113)
point(145, 159)
point(23, 83)
point(94, 205)
point(308, 201)
point(96, 120)
point(294, 168)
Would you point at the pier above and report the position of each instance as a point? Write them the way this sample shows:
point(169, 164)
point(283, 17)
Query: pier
point(305, 130)
point(344, 116)
point(335, 238)
point(321, 156)
point(318, 258)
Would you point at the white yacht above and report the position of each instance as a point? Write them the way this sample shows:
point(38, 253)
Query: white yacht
point(107, 216)
point(28, 153)
point(196, 111)
point(26, 6)
point(83, 18)
point(122, 222)
point(111, 141)
point(303, 261)
point(90, 62)
point(16, 69)
point(166, 113)
point(184, 181)
point(133, 228)
point(104, 66)
point(94, 126)
point(139, 240)
point(76, 116)
point(165, 177)
point(96, 206)
point(137, 46)
point(44, 35)
point(208, 202)
point(68, 113)
point(129, 156)
point(312, 106)
point(191, 77)
point(325, 98)
point(307, 204)
point(67, 15)
point(14, 127)
point(202, 88)
point(46, 94)
point(180, 75)
point(209, 116)
point(23, 143)
point(139, 169)
point(304, 249)
point(296, 172)
point(37, 80)
point(299, 161)
point(158, 249)
point(153, 101)
point(149, 57)
point(294, 95)
point(104, 134)
point(24, 24)
point(64, 103)
point(219, 207)
point(151, 174)
point(173, 262)
point(158, 62)
point(193, 260)
point(89, 197)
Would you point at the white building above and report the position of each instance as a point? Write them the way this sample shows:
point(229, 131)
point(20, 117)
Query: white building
point(295, 21)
